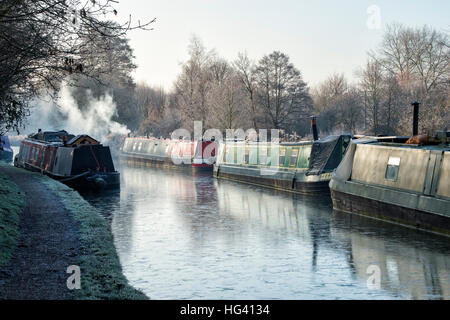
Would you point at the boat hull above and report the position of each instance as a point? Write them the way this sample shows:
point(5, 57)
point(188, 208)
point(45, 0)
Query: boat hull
point(418, 219)
point(82, 163)
point(291, 181)
point(110, 181)
point(169, 154)
point(303, 167)
point(403, 184)
point(82, 182)
point(165, 163)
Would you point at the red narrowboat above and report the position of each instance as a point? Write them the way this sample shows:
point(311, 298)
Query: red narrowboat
point(80, 162)
point(170, 153)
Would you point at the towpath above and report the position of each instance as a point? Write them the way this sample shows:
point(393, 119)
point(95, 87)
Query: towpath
point(48, 243)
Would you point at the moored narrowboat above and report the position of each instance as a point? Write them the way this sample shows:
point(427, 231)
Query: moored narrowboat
point(406, 182)
point(80, 162)
point(170, 153)
point(300, 167)
point(6, 152)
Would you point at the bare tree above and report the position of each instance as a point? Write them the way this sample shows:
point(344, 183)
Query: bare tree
point(282, 92)
point(228, 103)
point(418, 59)
point(194, 83)
point(41, 42)
point(245, 72)
point(372, 85)
point(349, 109)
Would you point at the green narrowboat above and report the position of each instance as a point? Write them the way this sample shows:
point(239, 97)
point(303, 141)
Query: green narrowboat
point(300, 167)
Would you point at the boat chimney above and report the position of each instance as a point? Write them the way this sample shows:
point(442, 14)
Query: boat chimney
point(415, 118)
point(314, 128)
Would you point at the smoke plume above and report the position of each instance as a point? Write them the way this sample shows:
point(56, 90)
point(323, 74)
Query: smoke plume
point(95, 119)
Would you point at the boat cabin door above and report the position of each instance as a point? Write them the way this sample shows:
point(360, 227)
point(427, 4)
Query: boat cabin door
point(432, 175)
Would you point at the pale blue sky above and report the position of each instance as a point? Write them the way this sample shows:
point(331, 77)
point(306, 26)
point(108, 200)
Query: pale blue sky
point(321, 37)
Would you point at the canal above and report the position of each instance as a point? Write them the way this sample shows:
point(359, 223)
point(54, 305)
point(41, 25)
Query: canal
point(189, 236)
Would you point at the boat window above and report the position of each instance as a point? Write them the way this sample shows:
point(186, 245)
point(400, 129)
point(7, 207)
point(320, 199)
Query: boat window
point(282, 157)
point(180, 149)
point(230, 154)
point(263, 155)
point(392, 168)
point(246, 155)
point(294, 154)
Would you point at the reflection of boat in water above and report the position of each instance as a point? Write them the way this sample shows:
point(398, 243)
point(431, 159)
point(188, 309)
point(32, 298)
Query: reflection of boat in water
point(106, 203)
point(6, 153)
point(412, 264)
point(275, 210)
point(396, 181)
point(170, 153)
point(300, 167)
point(80, 161)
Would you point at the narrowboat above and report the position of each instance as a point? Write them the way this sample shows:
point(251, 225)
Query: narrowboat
point(405, 182)
point(81, 162)
point(6, 152)
point(300, 167)
point(170, 153)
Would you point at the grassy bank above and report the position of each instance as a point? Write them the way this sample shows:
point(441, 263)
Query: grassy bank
point(12, 202)
point(101, 272)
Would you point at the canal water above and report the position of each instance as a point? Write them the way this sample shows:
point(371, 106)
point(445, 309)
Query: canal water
point(190, 236)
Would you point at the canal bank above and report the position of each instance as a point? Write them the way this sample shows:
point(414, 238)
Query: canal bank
point(47, 227)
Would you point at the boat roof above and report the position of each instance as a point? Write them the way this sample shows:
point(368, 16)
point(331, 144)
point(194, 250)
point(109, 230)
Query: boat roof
point(51, 136)
point(58, 137)
point(323, 140)
point(439, 147)
point(81, 139)
point(376, 141)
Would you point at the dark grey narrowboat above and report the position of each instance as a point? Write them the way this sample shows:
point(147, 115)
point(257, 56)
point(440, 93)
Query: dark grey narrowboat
point(301, 167)
point(398, 182)
point(80, 162)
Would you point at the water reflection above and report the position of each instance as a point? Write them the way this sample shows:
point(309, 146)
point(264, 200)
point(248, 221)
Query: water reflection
point(106, 208)
point(413, 263)
point(185, 236)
